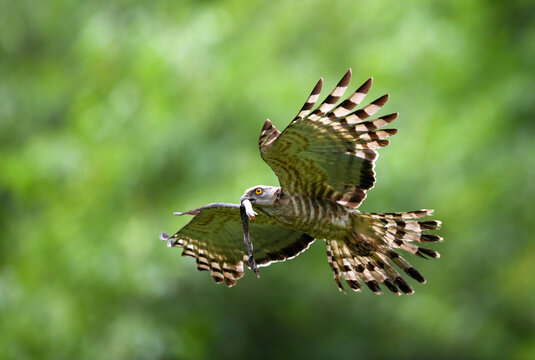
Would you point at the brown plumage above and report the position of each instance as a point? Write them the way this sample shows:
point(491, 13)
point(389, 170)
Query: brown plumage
point(324, 161)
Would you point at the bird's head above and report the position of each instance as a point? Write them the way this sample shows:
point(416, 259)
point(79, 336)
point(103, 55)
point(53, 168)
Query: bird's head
point(260, 195)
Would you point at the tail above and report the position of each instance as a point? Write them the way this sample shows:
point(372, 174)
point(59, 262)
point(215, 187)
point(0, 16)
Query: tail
point(368, 256)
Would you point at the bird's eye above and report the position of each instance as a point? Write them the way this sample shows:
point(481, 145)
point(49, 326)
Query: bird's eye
point(258, 191)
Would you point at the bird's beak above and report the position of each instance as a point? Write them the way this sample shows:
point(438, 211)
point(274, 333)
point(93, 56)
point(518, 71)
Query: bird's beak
point(247, 197)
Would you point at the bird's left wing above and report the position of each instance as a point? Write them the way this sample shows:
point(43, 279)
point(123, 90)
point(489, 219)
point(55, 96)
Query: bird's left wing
point(214, 237)
point(330, 152)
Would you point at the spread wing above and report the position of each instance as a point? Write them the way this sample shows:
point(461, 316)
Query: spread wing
point(329, 152)
point(214, 237)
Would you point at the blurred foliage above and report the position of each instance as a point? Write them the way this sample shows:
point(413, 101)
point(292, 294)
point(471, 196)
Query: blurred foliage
point(115, 114)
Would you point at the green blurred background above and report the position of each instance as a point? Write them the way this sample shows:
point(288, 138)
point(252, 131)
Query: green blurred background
point(115, 114)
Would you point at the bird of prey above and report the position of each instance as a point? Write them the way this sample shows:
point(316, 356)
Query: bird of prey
point(324, 161)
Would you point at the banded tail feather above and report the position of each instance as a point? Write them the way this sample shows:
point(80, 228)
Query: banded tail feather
point(369, 257)
point(333, 263)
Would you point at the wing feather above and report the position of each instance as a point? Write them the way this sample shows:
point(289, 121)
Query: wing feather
point(214, 237)
point(331, 100)
point(329, 153)
point(311, 100)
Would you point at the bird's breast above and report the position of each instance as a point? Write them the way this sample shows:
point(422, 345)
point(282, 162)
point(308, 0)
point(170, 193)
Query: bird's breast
point(317, 217)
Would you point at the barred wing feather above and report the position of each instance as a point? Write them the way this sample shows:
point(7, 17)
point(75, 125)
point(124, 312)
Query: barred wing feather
point(214, 237)
point(330, 152)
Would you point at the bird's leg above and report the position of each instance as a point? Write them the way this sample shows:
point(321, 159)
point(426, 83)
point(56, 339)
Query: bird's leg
point(247, 235)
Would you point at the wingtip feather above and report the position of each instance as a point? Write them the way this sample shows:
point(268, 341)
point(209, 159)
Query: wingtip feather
point(382, 100)
point(345, 79)
point(317, 87)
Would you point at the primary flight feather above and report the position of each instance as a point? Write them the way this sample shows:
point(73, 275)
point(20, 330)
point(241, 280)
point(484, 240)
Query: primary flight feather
point(324, 161)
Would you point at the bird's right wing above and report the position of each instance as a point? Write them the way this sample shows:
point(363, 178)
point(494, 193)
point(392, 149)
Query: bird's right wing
point(214, 237)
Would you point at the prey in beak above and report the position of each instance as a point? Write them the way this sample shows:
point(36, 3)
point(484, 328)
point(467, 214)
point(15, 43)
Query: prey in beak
point(246, 213)
point(246, 203)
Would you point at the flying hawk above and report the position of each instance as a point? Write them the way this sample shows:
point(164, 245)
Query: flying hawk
point(324, 161)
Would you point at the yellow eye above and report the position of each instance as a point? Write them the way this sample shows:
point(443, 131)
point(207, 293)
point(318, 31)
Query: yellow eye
point(258, 191)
